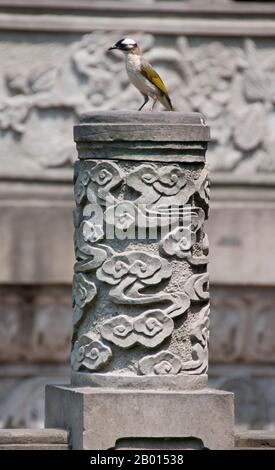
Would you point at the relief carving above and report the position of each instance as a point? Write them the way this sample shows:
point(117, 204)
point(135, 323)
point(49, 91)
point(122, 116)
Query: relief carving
point(160, 185)
point(199, 335)
point(133, 271)
point(163, 363)
point(231, 85)
point(96, 184)
point(179, 242)
point(84, 291)
point(197, 287)
point(89, 255)
point(89, 353)
point(166, 362)
point(104, 178)
point(137, 278)
point(148, 329)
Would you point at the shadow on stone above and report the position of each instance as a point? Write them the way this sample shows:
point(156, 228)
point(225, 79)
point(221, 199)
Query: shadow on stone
point(160, 443)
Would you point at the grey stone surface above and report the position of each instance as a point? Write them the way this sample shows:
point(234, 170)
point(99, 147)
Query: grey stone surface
point(33, 447)
point(51, 72)
point(253, 388)
point(64, 79)
point(27, 236)
point(191, 120)
point(33, 436)
point(163, 382)
point(242, 325)
point(141, 360)
point(245, 252)
point(98, 418)
point(255, 439)
point(164, 127)
point(35, 326)
point(22, 392)
point(230, 229)
point(141, 300)
point(33, 439)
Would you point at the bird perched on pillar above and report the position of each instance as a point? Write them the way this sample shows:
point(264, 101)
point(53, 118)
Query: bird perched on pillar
point(142, 75)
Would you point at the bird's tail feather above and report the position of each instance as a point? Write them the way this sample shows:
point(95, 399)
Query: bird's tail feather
point(166, 102)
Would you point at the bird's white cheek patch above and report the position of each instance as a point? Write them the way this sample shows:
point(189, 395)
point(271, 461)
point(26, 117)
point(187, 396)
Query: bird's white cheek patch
point(128, 42)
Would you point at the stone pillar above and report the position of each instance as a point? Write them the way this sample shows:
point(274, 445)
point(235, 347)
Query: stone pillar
point(140, 288)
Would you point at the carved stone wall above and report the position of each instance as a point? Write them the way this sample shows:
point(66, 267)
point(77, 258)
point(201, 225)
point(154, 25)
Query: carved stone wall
point(230, 82)
point(217, 58)
point(23, 381)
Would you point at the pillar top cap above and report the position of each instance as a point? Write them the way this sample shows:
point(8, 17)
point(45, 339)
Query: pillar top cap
point(162, 126)
point(141, 117)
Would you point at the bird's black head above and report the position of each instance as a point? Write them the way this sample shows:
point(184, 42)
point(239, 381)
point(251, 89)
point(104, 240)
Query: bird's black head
point(124, 44)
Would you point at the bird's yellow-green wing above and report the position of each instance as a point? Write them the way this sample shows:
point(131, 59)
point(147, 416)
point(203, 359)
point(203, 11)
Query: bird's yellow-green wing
point(153, 77)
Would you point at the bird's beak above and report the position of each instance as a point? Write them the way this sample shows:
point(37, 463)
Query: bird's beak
point(111, 48)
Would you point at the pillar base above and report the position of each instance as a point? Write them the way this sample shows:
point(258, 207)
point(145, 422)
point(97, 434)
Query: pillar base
point(102, 418)
point(142, 382)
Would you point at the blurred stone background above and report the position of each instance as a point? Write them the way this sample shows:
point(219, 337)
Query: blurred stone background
point(217, 57)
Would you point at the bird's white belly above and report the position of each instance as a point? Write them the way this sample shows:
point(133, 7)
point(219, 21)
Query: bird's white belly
point(138, 80)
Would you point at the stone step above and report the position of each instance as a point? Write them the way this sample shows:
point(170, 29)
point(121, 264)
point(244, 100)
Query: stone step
point(255, 439)
point(57, 439)
point(33, 439)
point(34, 447)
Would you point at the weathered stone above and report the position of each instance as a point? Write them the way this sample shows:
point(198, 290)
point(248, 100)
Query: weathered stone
point(40, 99)
point(22, 392)
point(144, 382)
point(33, 436)
point(98, 418)
point(32, 252)
point(255, 439)
point(141, 301)
point(35, 324)
point(179, 128)
point(141, 287)
point(33, 439)
point(242, 325)
point(233, 238)
point(253, 388)
point(41, 446)
point(75, 84)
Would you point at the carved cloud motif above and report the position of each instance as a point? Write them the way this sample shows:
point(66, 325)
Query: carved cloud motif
point(197, 287)
point(84, 290)
point(199, 335)
point(179, 242)
point(162, 363)
point(105, 176)
point(89, 353)
point(203, 186)
point(154, 183)
point(90, 256)
point(167, 363)
point(148, 329)
point(126, 215)
point(123, 217)
point(80, 186)
point(132, 271)
point(97, 183)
